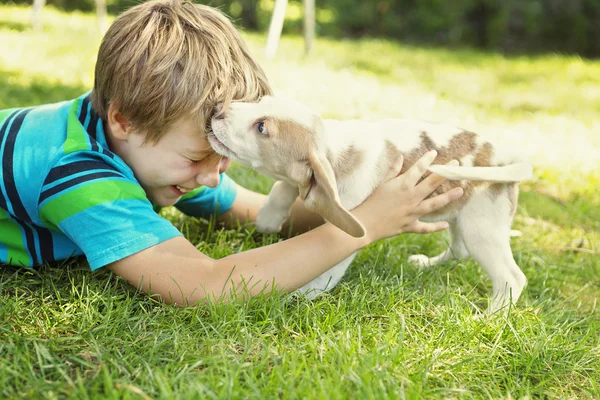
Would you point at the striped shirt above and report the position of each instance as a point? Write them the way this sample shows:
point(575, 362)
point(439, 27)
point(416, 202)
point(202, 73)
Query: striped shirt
point(64, 193)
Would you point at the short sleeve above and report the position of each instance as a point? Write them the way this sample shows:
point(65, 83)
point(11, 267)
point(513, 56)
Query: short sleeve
point(104, 213)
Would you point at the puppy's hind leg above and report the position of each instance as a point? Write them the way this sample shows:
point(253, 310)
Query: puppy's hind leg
point(456, 250)
point(485, 225)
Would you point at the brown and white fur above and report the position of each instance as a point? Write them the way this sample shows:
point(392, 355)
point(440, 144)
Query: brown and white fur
point(335, 165)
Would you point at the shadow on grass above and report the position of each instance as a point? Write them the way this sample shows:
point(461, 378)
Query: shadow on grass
point(37, 91)
point(14, 26)
point(574, 212)
point(55, 278)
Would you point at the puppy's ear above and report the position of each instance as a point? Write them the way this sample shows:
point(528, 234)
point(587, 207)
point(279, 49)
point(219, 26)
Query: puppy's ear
point(318, 189)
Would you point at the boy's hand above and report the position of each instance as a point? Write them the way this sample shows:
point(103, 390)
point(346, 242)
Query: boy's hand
point(396, 205)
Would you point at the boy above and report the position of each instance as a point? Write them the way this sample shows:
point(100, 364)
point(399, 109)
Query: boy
point(83, 177)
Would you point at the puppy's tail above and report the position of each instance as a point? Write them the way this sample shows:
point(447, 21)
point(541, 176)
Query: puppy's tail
point(509, 173)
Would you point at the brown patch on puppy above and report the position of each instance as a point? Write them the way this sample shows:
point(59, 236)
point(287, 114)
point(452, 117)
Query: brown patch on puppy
point(347, 162)
point(460, 145)
point(483, 157)
point(388, 157)
point(292, 140)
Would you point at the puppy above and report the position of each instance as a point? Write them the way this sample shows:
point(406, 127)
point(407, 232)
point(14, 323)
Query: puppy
point(335, 165)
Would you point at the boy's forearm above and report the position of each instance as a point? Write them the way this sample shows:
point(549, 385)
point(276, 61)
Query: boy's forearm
point(179, 274)
point(306, 257)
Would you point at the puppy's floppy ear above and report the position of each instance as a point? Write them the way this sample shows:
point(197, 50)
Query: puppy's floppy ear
point(318, 189)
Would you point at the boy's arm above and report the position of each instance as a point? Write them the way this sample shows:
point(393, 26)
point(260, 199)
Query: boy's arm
point(247, 203)
point(178, 273)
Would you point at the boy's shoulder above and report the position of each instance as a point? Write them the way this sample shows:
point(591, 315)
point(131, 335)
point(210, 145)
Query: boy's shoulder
point(63, 127)
point(50, 149)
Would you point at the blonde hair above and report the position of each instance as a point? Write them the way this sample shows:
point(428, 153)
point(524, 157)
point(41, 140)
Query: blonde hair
point(166, 59)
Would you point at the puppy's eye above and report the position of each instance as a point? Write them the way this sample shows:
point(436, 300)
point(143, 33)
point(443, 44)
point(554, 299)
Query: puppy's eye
point(261, 128)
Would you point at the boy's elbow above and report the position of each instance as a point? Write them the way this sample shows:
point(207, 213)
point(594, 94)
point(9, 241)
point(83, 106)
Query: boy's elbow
point(183, 285)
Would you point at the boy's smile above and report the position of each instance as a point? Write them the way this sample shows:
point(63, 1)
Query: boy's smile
point(182, 160)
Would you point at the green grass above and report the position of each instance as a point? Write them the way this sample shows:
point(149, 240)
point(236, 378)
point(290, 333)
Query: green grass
point(389, 330)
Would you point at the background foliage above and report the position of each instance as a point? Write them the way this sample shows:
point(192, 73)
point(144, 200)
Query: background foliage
point(511, 26)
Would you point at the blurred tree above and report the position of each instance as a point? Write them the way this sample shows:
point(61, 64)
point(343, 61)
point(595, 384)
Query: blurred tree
point(511, 26)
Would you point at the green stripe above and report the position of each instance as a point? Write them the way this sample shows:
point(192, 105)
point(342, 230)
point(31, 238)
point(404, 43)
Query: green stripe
point(76, 134)
point(70, 203)
point(12, 238)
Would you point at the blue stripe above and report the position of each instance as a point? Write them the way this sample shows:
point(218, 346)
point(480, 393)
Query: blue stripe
point(68, 184)
point(19, 210)
point(3, 252)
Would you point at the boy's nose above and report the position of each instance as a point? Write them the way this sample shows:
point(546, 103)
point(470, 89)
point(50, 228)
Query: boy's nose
point(210, 179)
point(210, 175)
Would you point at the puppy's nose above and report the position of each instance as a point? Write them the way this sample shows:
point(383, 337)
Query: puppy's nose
point(219, 112)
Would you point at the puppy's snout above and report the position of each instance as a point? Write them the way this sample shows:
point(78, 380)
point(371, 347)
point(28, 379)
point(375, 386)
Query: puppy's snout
point(219, 112)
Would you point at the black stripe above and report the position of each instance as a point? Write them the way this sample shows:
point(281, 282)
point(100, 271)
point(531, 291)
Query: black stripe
point(108, 153)
point(92, 130)
point(46, 244)
point(29, 241)
point(84, 110)
point(76, 167)
point(76, 181)
point(7, 167)
point(94, 143)
point(93, 125)
point(7, 121)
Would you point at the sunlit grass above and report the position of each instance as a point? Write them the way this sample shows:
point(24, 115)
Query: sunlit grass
point(389, 330)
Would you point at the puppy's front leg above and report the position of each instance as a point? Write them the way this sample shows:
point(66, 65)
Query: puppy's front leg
point(276, 210)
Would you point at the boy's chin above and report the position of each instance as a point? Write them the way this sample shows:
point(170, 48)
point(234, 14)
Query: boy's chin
point(163, 201)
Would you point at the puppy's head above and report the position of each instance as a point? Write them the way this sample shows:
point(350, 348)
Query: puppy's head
point(285, 140)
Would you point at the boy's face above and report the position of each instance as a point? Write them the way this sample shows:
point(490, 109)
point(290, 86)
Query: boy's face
point(181, 161)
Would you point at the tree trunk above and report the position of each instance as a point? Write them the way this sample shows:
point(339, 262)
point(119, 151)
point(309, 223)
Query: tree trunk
point(309, 25)
point(101, 13)
point(36, 11)
point(275, 28)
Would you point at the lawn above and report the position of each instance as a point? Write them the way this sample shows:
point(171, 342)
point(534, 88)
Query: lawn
point(389, 330)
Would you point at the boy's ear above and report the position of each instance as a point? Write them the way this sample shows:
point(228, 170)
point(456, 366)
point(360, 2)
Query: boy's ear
point(119, 125)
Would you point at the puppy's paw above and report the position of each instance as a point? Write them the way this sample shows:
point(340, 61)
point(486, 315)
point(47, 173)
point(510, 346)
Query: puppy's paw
point(420, 260)
point(270, 220)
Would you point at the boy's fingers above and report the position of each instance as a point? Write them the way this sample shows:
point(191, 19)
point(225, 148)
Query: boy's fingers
point(429, 227)
point(433, 181)
point(420, 167)
point(395, 169)
point(440, 201)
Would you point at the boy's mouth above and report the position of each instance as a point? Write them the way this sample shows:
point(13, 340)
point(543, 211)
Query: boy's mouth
point(180, 191)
